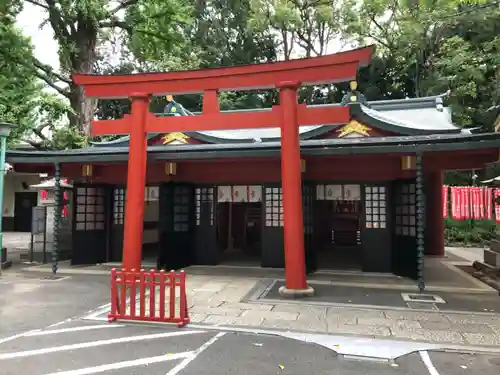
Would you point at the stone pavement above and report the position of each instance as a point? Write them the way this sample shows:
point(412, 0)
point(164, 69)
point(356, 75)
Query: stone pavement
point(218, 301)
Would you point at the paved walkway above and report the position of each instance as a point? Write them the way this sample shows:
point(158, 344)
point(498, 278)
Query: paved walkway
point(232, 302)
point(467, 254)
point(217, 301)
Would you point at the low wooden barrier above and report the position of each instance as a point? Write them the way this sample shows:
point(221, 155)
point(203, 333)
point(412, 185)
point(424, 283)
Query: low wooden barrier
point(151, 296)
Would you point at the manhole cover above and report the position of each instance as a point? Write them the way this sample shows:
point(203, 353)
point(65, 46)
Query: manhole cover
point(54, 278)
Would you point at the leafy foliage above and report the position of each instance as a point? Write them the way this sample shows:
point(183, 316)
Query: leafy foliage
point(434, 46)
point(423, 48)
point(469, 232)
point(22, 99)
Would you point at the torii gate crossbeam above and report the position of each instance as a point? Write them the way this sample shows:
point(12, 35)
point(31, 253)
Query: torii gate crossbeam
point(286, 76)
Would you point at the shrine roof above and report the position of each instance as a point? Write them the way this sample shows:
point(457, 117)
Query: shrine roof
point(426, 115)
point(321, 147)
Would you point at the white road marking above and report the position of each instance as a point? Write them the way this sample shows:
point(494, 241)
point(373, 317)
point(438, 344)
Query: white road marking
point(61, 322)
point(124, 364)
point(181, 366)
point(17, 336)
point(428, 363)
point(103, 309)
point(96, 318)
point(91, 344)
point(73, 329)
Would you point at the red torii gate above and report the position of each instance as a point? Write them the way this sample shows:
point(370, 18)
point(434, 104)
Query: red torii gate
point(287, 76)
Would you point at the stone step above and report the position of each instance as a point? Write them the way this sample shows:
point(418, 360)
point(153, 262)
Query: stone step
point(495, 245)
point(492, 258)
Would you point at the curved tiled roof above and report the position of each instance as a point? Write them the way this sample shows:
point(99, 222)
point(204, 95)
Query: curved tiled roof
point(426, 115)
point(333, 146)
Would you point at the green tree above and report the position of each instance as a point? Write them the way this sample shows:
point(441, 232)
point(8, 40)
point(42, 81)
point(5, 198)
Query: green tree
point(301, 27)
point(22, 99)
point(431, 47)
point(83, 28)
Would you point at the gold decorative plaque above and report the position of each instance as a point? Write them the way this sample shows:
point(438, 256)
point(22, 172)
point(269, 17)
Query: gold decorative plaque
point(354, 126)
point(176, 136)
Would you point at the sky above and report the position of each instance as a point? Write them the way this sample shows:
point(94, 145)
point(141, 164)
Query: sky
point(43, 39)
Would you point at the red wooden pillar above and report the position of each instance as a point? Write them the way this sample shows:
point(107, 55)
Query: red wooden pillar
point(291, 182)
point(434, 226)
point(136, 182)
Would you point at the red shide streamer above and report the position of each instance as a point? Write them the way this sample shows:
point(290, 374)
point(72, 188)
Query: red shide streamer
point(497, 206)
point(480, 197)
point(474, 203)
point(468, 202)
point(464, 203)
point(445, 201)
point(455, 203)
point(488, 202)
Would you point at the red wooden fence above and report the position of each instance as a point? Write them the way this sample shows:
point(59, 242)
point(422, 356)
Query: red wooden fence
point(149, 296)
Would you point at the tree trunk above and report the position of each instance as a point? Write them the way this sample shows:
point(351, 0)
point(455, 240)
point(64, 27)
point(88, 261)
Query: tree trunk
point(82, 61)
point(84, 109)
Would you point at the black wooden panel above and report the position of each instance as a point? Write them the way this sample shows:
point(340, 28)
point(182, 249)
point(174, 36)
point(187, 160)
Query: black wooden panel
point(177, 226)
point(206, 250)
point(308, 192)
point(89, 224)
point(376, 235)
point(405, 229)
point(272, 227)
point(117, 223)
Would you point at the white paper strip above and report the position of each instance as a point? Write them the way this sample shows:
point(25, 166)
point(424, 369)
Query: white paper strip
point(255, 193)
point(352, 192)
point(224, 194)
point(240, 194)
point(334, 192)
point(320, 192)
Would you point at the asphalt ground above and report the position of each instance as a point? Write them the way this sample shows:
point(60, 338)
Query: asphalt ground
point(80, 347)
point(30, 301)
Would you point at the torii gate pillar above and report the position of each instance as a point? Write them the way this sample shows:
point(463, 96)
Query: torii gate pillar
point(136, 183)
point(291, 183)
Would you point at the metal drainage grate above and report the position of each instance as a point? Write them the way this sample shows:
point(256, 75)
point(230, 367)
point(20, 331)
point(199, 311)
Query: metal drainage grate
point(422, 306)
point(425, 298)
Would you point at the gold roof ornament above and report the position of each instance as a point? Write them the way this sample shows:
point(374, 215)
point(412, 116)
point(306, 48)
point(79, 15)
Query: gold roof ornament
point(354, 127)
point(497, 124)
point(169, 98)
point(176, 136)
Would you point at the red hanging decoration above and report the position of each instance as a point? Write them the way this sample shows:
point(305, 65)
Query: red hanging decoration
point(474, 203)
point(445, 201)
point(464, 203)
point(497, 206)
point(455, 203)
point(480, 193)
point(488, 203)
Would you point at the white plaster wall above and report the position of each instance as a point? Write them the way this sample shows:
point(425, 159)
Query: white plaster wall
point(13, 183)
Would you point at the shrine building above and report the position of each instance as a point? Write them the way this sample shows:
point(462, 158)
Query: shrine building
point(350, 185)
